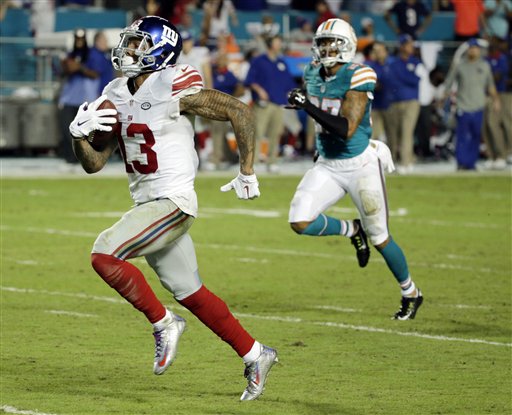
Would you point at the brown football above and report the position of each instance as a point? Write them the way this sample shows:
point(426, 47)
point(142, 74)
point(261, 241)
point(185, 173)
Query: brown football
point(99, 139)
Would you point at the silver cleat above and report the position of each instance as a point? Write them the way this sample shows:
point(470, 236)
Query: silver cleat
point(166, 344)
point(256, 373)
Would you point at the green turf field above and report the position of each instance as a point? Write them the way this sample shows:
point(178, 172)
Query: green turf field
point(70, 345)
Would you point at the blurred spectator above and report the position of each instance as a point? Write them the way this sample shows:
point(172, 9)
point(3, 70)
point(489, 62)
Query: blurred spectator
point(357, 6)
point(498, 124)
point(100, 60)
point(381, 6)
point(278, 5)
point(187, 25)
point(260, 31)
point(323, 12)
point(216, 17)
point(81, 84)
point(498, 13)
point(366, 37)
point(303, 33)
point(474, 80)
point(199, 58)
point(250, 5)
point(223, 80)
point(270, 80)
point(42, 14)
point(469, 18)
point(423, 129)
point(4, 6)
point(404, 109)
point(172, 10)
point(335, 5)
point(412, 16)
point(196, 56)
point(442, 6)
point(346, 16)
point(379, 61)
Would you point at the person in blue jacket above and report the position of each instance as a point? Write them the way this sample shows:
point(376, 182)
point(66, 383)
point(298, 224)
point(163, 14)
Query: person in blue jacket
point(270, 80)
point(405, 108)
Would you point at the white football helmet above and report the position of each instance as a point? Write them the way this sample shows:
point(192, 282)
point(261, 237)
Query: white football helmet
point(344, 42)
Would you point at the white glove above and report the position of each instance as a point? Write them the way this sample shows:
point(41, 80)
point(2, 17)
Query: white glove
point(89, 119)
point(246, 187)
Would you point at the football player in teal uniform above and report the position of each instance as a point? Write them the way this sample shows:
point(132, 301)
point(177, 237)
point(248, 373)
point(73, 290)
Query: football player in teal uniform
point(338, 95)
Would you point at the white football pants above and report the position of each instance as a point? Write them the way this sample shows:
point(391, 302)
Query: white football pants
point(362, 177)
point(156, 230)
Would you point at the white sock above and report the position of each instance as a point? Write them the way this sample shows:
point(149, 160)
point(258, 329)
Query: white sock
point(347, 228)
point(409, 291)
point(163, 323)
point(253, 354)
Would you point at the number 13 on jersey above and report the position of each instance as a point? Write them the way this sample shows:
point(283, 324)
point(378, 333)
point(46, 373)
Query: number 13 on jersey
point(137, 151)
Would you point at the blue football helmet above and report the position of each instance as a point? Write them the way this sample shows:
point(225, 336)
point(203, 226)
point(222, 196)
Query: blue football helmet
point(149, 44)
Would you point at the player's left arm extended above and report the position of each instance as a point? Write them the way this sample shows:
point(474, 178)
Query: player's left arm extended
point(345, 123)
point(216, 105)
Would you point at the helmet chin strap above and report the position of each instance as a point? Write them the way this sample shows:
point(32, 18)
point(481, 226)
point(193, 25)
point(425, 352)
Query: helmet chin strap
point(129, 67)
point(330, 62)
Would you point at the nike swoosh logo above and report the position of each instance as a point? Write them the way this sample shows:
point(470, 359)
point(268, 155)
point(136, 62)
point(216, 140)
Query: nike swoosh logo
point(184, 69)
point(81, 123)
point(162, 362)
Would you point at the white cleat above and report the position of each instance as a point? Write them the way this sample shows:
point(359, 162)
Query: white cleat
point(256, 373)
point(166, 344)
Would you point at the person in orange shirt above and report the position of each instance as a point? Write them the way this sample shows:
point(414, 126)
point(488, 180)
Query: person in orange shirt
point(469, 18)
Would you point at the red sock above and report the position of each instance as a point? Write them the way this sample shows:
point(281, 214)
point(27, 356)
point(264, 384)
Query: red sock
point(215, 314)
point(128, 281)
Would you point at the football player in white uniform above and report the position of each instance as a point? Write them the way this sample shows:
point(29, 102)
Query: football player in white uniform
point(338, 97)
point(154, 100)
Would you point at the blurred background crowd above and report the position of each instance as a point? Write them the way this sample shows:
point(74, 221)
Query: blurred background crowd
point(55, 54)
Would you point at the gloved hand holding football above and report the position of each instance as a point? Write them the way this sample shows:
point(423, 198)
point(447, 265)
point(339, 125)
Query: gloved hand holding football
point(89, 118)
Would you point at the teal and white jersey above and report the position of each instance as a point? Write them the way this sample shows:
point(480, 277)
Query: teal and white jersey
point(328, 94)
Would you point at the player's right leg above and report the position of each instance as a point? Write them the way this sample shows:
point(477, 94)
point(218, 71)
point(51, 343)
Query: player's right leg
point(316, 192)
point(176, 266)
point(143, 229)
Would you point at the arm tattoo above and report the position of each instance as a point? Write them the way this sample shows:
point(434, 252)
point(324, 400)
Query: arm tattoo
point(353, 109)
point(92, 161)
point(216, 105)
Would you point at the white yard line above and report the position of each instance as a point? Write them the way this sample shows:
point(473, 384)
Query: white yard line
point(286, 319)
point(374, 329)
point(63, 294)
point(449, 224)
point(252, 260)
point(465, 306)
point(273, 251)
point(50, 231)
point(12, 410)
point(400, 214)
point(27, 262)
point(70, 313)
point(340, 309)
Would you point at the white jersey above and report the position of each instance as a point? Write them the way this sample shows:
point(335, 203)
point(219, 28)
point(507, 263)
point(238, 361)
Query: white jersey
point(157, 142)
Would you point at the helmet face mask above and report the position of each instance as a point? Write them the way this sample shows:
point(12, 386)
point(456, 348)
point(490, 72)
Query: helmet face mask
point(147, 45)
point(335, 42)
